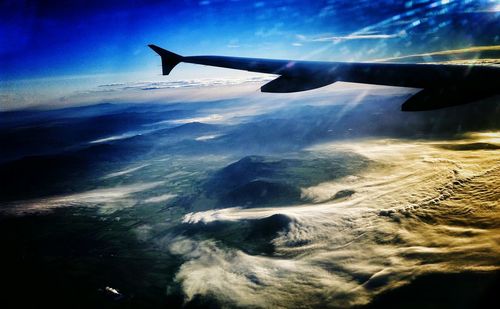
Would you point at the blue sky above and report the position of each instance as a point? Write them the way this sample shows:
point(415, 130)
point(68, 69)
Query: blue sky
point(51, 39)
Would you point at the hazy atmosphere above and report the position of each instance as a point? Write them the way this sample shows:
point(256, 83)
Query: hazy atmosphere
point(124, 188)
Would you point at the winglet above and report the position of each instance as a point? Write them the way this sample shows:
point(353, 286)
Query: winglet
point(168, 59)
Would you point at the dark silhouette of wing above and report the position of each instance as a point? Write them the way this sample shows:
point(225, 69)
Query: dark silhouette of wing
point(443, 84)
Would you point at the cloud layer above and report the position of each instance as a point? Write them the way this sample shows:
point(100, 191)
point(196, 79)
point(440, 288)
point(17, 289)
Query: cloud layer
point(422, 210)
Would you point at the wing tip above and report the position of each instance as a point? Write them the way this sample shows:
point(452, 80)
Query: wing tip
point(168, 59)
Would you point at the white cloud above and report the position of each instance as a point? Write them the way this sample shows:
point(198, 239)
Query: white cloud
point(179, 83)
point(247, 280)
point(108, 199)
point(207, 137)
point(125, 172)
point(112, 138)
point(160, 198)
point(212, 118)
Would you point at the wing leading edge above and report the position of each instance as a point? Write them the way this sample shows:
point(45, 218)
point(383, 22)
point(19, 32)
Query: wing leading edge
point(443, 84)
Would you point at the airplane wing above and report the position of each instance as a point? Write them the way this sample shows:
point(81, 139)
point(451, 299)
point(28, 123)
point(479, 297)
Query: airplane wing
point(442, 85)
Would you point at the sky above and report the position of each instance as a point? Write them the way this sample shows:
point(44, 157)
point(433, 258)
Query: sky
point(53, 47)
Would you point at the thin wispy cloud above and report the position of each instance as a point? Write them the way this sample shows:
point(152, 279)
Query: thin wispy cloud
point(349, 37)
point(396, 26)
point(473, 52)
point(107, 199)
point(357, 37)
